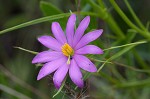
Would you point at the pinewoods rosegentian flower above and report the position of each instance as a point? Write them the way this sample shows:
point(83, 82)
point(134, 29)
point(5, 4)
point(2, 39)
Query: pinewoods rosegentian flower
point(67, 52)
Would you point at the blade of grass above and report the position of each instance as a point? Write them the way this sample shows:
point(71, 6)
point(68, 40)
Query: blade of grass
point(22, 83)
point(105, 15)
point(145, 34)
point(36, 21)
point(135, 43)
point(134, 15)
point(29, 51)
point(123, 65)
point(13, 92)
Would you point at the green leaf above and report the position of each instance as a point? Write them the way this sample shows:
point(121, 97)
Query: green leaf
point(13, 92)
point(36, 21)
point(144, 33)
point(49, 9)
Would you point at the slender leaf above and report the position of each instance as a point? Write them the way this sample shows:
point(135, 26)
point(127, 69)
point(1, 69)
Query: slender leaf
point(36, 21)
point(13, 92)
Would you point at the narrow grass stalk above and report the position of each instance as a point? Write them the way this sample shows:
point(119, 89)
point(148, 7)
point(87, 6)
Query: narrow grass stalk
point(125, 18)
point(104, 14)
point(22, 83)
point(26, 50)
point(115, 56)
point(134, 15)
point(36, 21)
point(135, 43)
point(13, 92)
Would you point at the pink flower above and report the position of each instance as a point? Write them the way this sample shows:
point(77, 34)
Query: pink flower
point(67, 52)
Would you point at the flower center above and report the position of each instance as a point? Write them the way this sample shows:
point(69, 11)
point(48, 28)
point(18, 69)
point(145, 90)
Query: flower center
point(67, 51)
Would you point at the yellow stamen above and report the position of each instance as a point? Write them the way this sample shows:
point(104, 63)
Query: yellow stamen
point(67, 50)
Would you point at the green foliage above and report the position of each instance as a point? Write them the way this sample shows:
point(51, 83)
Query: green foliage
point(49, 9)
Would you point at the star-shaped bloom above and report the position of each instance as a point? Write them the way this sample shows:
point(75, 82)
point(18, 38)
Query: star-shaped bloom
point(67, 52)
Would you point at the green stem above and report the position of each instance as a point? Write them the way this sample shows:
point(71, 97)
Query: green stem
point(140, 61)
point(135, 43)
point(36, 21)
point(29, 51)
point(104, 14)
point(125, 18)
point(134, 15)
point(13, 92)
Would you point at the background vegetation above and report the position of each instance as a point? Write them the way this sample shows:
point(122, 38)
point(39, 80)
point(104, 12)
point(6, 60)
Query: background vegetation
point(123, 70)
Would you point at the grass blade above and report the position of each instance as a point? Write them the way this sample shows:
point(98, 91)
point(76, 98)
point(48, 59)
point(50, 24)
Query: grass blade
point(13, 92)
point(36, 21)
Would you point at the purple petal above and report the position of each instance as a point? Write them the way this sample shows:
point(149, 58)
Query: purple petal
point(70, 28)
point(50, 42)
point(58, 32)
point(75, 74)
point(46, 56)
point(89, 37)
point(60, 75)
point(89, 49)
point(85, 63)
point(51, 67)
point(80, 30)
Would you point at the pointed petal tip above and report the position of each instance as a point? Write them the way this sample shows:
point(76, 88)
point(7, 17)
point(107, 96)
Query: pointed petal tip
point(88, 17)
point(73, 15)
point(101, 31)
point(56, 83)
point(54, 23)
point(57, 86)
point(33, 61)
point(81, 85)
point(38, 77)
point(94, 69)
point(102, 52)
point(41, 38)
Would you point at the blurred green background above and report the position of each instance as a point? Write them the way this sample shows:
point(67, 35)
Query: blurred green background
point(127, 77)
